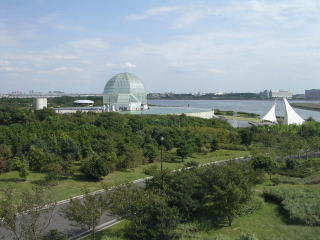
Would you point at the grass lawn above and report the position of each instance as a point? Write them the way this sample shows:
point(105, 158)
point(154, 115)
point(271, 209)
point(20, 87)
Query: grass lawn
point(251, 119)
point(73, 186)
point(268, 223)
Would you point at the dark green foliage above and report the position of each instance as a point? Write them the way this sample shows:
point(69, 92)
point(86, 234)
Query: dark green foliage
point(45, 139)
point(5, 154)
point(246, 135)
point(254, 204)
point(150, 216)
point(228, 188)
point(150, 152)
point(184, 150)
point(214, 145)
point(218, 192)
point(95, 167)
point(23, 169)
point(264, 163)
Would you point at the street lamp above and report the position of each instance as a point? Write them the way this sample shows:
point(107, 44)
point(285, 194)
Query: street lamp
point(161, 146)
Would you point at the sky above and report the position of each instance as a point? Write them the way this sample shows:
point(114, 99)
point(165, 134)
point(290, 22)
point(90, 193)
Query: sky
point(179, 46)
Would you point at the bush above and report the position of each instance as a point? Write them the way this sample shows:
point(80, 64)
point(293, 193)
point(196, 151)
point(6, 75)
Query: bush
point(189, 231)
point(191, 163)
point(279, 179)
point(247, 237)
point(301, 205)
point(95, 167)
point(237, 147)
point(251, 206)
point(151, 170)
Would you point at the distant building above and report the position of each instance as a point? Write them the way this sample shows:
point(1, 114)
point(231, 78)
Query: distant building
point(40, 103)
point(312, 94)
point(265, 94)
point(83, 103)
point(280, 94)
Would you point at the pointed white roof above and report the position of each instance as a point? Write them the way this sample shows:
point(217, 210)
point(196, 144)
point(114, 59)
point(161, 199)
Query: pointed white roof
point(291, 117)
point(271, 114)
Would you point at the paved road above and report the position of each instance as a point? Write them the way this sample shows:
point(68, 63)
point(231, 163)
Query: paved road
point(65, 226)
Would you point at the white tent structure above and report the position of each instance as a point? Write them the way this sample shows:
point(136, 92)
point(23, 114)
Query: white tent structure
point(291, 117)
point(271, 115)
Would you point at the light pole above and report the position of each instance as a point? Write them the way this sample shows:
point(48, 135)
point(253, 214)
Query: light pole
point(161, 146)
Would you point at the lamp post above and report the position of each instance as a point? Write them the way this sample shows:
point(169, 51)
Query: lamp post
point(161, 167)
point(161, 146)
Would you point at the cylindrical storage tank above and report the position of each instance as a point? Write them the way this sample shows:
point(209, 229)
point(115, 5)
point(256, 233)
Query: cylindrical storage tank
point(40, 103)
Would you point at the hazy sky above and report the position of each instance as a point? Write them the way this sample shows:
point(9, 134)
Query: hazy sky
point(172, 45)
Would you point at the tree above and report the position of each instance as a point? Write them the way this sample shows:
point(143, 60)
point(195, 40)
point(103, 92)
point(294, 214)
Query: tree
point(37, 208)
point(150, 216)
point(214, 145)
point(184, 150)
point(226, 189)
point(5, 154)
point(87, 212)
point(23, 169)
point(264, 163)
point(183, 190)
point(95, 167)
point(150, 152)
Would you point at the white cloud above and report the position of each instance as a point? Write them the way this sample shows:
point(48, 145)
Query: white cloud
point(4, 62)
point(50, 18)
point(14, 69)
point(152, 12)
point(216, 71)
point(130, 65)
point(285, 13)
point(89, 43)
point(120, 65)
point(68, 69)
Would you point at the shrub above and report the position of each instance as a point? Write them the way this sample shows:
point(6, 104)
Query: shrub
point(189, 231)
point(247, 237)
point(191, 163)
point(251, 206)
point(151, 170)
point(233, 147)
point(95, 167)
point(301, 205)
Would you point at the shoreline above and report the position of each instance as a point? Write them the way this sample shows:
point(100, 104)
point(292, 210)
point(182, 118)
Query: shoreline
point(307, 106)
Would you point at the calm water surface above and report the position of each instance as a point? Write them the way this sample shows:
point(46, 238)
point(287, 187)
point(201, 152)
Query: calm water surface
point(252, 106)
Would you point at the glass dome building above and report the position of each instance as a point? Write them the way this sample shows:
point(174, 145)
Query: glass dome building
point(124, 92)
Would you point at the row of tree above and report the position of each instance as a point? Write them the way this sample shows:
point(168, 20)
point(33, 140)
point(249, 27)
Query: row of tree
point(43, 141)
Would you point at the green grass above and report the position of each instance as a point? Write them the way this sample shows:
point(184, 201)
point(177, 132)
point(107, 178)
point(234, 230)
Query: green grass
point(239, 118)
point(309, 106)
point(73, 186)
point(268, 223)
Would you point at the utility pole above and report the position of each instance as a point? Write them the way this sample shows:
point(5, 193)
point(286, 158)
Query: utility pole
point(161, 167)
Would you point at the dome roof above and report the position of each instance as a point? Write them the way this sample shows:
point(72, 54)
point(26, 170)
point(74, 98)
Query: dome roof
point(124, 83)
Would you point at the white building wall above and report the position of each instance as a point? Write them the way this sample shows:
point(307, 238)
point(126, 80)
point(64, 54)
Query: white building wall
point(40, 103)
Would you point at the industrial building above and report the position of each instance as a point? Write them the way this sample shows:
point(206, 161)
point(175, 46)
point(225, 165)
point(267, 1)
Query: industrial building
point(280, 94)
point(40, 103)
point(312, 94)
point(83, 103)
point(124, 92)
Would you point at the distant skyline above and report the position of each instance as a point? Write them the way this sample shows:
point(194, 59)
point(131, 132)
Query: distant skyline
point(172, 45)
